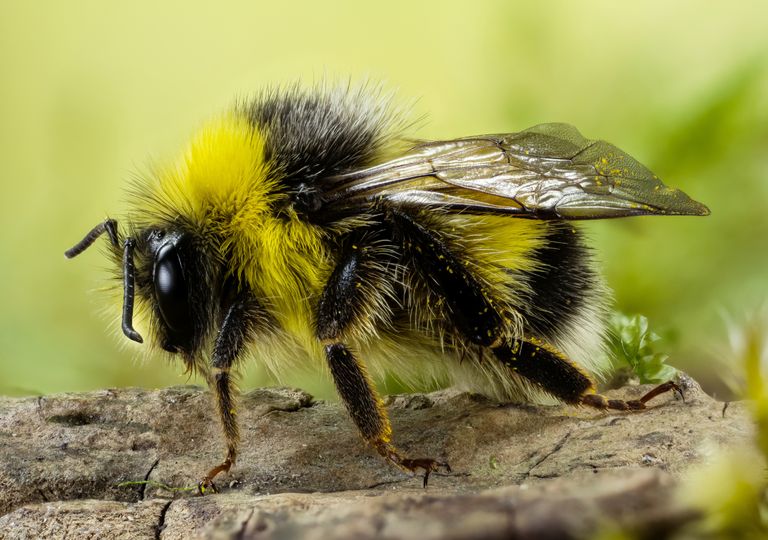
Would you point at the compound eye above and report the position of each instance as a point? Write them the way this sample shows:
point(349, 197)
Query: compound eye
point(171, 292)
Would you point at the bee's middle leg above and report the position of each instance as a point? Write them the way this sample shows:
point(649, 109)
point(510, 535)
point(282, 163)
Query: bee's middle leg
point(347, 307)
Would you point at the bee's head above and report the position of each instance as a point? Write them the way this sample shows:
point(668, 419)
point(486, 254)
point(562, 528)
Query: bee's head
point(165, 268)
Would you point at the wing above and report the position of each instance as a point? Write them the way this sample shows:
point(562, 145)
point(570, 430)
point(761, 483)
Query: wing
point(547, 171)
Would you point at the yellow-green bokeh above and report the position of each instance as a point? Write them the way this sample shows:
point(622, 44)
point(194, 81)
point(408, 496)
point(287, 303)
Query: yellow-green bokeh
point(90, 91)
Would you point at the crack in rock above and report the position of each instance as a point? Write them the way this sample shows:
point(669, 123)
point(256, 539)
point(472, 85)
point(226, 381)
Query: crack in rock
point(143, 487)
point(161, 521)
point(555, 449)
point(241, 532)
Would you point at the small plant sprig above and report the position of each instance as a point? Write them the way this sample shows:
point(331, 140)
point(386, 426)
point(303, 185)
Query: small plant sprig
point(633, 346)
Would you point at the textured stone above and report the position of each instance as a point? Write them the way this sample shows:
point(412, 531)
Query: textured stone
point(304, 472)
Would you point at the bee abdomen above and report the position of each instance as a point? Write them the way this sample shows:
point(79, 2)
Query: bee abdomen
point(563, 285)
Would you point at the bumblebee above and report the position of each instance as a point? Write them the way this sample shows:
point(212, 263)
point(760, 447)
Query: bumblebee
point(302, 226)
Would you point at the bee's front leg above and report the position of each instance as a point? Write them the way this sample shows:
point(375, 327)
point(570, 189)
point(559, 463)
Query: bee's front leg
point(241, 321)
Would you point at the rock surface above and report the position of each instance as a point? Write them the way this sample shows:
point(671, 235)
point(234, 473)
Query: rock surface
point(518, 470)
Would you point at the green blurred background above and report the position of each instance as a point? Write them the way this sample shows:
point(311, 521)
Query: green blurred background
point(90, 91)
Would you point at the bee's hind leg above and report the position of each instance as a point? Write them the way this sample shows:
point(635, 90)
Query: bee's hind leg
point(549, 369)
point(351, 298)
point(601, 402)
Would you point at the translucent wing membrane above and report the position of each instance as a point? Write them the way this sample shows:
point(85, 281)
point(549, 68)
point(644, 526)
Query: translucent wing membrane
point(547, 171)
